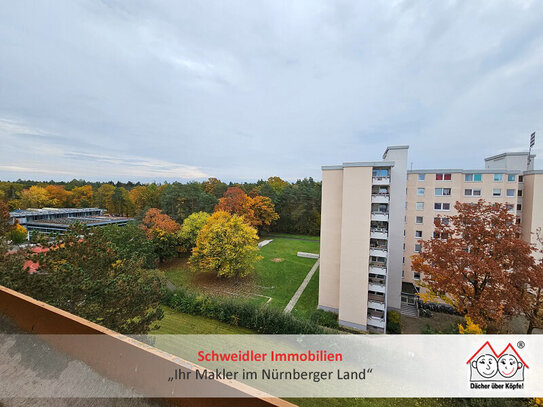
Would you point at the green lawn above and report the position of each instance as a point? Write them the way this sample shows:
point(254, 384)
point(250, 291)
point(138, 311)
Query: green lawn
point(175, 322)
point(278, 275)
point(281, 279)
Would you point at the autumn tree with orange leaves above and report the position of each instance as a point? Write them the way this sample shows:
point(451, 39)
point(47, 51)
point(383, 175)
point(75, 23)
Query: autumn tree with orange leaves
point(473, 261)
point(258, 211)
point(154, 219)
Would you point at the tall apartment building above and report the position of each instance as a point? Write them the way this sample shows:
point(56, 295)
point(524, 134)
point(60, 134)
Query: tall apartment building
point(375, 213)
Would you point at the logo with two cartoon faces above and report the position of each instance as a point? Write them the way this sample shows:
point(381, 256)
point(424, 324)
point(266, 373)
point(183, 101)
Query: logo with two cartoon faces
point(488, 366)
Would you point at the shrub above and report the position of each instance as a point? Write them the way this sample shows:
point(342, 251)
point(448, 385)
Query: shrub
point(325, 318)
point(393, 322)
point(18, 234)
point(263, 320)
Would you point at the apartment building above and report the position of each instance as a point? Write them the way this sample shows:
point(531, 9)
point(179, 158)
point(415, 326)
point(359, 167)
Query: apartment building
point(374, 215)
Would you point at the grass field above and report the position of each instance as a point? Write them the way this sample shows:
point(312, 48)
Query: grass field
point(175, 322)
point(288, 236)
point(278, 275)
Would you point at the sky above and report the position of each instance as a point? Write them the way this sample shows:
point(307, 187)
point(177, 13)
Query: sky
point(242, 90)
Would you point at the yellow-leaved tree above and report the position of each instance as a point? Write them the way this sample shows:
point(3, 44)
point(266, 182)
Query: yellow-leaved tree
point(226, 246)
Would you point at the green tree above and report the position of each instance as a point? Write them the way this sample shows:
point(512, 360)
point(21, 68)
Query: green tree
point(191, 227)
point(130, 243)
point(180, 200)
point(103, 197)
point(84, 274)
point(226, 246)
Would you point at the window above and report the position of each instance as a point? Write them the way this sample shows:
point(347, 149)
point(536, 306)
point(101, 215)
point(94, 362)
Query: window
point(445, 221)
point(416, 275)
point(380, 172)
point(403, 260)
point(498, 177)
point(510, 192)
point(519, 193)
point(420, 191)
point(418, 233)
point(443, 177)
point(496, 192)
point(519, 207)
point(422, 177)
point(438, 235)
point(438, 206)
point(420, 206)
point(419, 219)
point(442, 191)
point(521, 178)
point(511, 177)
point(472, 177)
point(472, 192)
point(417, 248)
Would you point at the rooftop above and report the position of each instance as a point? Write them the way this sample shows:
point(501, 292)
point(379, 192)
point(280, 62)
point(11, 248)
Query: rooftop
point(49, 211)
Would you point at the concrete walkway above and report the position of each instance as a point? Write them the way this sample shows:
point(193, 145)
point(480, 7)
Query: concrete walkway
point(301, 289)
point(264, 243)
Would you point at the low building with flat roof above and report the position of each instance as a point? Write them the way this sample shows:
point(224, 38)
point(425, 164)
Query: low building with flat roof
point(57, 220)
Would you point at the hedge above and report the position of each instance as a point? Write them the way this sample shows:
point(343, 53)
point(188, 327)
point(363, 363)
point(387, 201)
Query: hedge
point(261, 319)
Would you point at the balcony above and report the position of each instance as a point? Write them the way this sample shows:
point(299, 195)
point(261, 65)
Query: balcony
point(376, 301)
point(376, 321)
point(381, 180)
point(379, 288)
point(378, 251)
point(378, 233)
point(379, 216)
point(380, 198)
point(378, 268)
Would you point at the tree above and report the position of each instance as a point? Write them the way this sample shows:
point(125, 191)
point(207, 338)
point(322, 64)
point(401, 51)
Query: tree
point(527, 290)
point(258, 211)
point(469, 260)
point(34, 197)
point(299, 208)
point(130, 243)
point(277, 184)
point(104, 197)
point(180, 200)
point(145, 196)
point(470, 328)
point(5, 219)
point(18, 234)
point(155, 219)
point(164, 243)
point(58, 195)
point(82, 197)
point(191, 227)
point(226, 246)
point(122, 204)
point(215, 187)
point(83, 273)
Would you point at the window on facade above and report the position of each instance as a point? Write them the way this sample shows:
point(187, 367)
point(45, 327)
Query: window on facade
point(417, 248)
point(511, 177)
point(438, 235)
point(422, 177)
point(442, 191)
point(443, 177)
point(518, 221)
point(420, 206)
point(418, 233)
point(472, 177)
point(519, 193)
point(519, 207)
point(498, 177)
point(472, 192)
point(420, 191)
point(380, 172)
point(439, 206)
point(416, 275)
point(510, 192)
point(496, 192)
point(419, 219)
point(521, 178)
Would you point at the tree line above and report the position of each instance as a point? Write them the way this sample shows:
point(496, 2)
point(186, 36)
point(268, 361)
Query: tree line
point(297, 204)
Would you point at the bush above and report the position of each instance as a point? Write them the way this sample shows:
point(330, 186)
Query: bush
point(393, 322)
point(263, 320)
point(18, 234)
point(325, 318)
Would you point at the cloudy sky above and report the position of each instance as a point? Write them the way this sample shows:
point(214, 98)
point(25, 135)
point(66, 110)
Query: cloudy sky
point(241, 90)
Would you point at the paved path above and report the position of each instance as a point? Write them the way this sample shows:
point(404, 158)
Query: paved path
point(264, 243)
point(301, 289)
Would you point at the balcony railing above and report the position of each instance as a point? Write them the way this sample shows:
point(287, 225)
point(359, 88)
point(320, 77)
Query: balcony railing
point(376, 280)
point(378, 264)
point(381, 180)
point(379, 216)
point(380, 197)
point(376, 298)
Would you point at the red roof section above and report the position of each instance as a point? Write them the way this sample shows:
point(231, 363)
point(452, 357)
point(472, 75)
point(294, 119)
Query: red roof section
point(487, 343)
